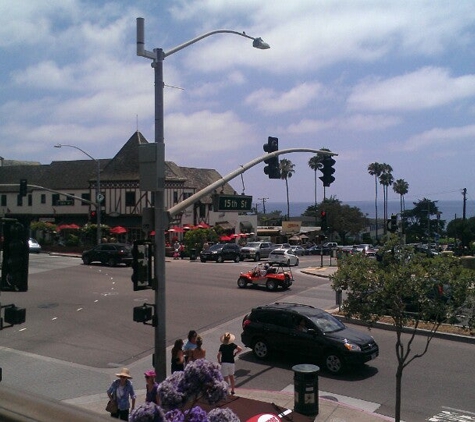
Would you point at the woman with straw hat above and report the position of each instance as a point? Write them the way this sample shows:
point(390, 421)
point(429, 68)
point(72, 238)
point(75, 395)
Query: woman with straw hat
point(121, 390)
point(227, 352)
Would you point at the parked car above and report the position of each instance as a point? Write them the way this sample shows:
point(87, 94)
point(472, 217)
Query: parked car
point(298, 250)
point(283, 328)
point(317, 250)
point(221, 252)
point(110, 254)
point(283, 256)
point(257, 250)
point(33, 245)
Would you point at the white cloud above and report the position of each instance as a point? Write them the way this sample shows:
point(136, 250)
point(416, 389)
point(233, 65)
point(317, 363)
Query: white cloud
point(269, 101)
point(425, 88)
point(448, 137)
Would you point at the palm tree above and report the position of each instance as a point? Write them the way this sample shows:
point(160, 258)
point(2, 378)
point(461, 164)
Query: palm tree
point(375, 169)
point(286, 171)
point(386, 179)
point(315, 163)
point(401, 187)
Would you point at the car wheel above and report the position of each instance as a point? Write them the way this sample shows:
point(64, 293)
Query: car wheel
point(219, 259)
point(202, 260)
point(86, 260)
point(297, 263)
point(242, 282)
point(334, 363)
point(257, 257)
point(271, 284)
point(286, 283)
point(111, 262)
point(237, 258)
point(288, 263)
point(260, 349)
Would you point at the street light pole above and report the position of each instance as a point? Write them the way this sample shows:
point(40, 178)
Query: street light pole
point(98, 200)
point(160, 217)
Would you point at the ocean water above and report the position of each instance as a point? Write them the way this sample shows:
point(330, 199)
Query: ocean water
point(449, 209)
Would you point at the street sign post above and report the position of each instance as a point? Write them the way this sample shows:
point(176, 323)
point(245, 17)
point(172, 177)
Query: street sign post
point(232, 203)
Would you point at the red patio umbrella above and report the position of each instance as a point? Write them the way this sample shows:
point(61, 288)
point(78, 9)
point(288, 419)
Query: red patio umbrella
point(118, 230)
point(225, 238)
point(63, 227)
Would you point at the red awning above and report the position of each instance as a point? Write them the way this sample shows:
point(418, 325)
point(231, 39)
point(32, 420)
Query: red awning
point(118, 230)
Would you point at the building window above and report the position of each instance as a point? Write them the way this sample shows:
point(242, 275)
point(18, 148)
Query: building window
point(129, 199)
point(54, 199)
point(19, 200)
point(4, 200)
point(175, 197)
point(30, 200)
point(85, 197)
point(186, 195)
point(43, 198)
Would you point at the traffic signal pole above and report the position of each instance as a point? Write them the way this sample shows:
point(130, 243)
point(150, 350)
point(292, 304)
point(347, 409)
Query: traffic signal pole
point(221, 182)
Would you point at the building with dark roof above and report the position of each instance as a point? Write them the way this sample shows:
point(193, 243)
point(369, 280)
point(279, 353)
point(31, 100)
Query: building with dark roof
point(123, 203)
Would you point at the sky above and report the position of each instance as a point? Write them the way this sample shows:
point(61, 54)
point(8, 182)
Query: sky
point(373, 81)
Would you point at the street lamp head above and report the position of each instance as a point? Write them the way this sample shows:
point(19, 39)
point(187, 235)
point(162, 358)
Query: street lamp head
point(58, 145)
point(259, 43)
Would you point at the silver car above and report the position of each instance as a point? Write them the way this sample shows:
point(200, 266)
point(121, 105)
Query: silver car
point(33, 245)
point(284, 257)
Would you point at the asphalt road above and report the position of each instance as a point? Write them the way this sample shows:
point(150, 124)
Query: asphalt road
point(83, 314)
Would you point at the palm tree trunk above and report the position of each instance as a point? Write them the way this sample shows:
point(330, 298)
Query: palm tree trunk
point(376, 204)
point(288, 201)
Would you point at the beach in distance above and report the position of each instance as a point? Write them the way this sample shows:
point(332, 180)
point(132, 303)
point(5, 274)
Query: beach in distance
point(449, 209)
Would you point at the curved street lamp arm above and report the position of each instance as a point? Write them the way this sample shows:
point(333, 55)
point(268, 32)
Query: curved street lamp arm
point(217, 31)
point(210, 188)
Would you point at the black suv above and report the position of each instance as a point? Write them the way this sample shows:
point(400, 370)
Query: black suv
point(290, 328)
point(109, 254)
point(221, 252)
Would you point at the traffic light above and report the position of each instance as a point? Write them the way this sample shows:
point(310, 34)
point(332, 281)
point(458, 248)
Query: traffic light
point(23, 187)
point(323, 220)
point(143, 313)
point(93, 216)
point(142, 265)
point(392, 224)
point(273, 165)
point(14, 315)
point(327, 171)
point(15, 257)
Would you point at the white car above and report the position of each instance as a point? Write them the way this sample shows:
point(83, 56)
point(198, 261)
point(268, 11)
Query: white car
point(283, 256)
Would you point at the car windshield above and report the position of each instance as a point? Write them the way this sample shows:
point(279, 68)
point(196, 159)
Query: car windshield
point(252, 245)
point(327, 323)
point(216, 247)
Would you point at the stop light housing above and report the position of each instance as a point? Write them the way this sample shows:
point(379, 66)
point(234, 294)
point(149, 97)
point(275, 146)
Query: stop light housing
point(93, 216)
point(392, 224)
point(323, 220)
point(143, 313)
point(142, 265)
point(14, 315)
point(273, 165)
point(327, 171)
point(15, 257)
point(23, 187)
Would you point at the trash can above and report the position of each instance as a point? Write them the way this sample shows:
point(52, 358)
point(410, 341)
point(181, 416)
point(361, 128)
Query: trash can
point(193, 254)
point(306, 389)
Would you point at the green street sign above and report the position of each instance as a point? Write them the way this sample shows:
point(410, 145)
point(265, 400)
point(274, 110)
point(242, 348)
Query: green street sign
point(232, 203)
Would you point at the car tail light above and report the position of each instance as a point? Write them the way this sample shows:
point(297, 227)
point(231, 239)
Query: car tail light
point(245, 323)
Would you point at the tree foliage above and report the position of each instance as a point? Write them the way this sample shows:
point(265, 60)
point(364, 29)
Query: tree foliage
point(407, 288)
point(341, 218)
point(419, 224)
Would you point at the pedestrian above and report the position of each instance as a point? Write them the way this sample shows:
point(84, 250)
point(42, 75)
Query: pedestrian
point(198, 352)
point(178, 357)
point(121, 390)
point(227, 352)
point(151, 387)
point(190, 344)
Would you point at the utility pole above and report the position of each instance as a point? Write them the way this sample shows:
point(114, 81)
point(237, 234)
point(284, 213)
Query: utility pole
point(264, 200)
point(464, 193)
